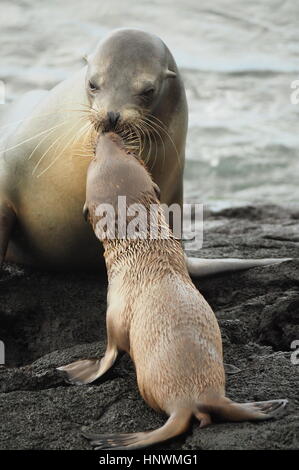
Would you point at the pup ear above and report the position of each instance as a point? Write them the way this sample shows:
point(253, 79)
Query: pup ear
point(170, 74)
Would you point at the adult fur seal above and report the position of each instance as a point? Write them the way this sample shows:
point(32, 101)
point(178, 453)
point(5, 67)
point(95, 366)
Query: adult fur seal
point(155, 313)
point(132, 84)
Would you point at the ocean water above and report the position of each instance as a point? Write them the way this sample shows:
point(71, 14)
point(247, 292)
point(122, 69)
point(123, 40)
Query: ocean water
point(238, 60)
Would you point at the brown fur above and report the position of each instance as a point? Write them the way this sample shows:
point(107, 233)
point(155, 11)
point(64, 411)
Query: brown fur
point(156, 315)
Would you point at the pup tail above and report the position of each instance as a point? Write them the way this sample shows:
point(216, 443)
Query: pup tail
point(177, 423)
point(231, 411)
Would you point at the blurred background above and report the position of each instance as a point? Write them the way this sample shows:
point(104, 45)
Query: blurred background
point(237, 58)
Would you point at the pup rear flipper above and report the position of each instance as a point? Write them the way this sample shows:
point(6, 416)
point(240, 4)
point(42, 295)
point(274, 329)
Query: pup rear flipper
point(260, 410)
point(175, 425)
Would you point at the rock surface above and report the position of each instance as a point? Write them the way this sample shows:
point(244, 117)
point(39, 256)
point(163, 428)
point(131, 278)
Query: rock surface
point(51, 319)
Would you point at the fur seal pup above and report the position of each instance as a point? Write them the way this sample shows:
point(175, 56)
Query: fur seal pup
point(155, 313)
point(131, 84)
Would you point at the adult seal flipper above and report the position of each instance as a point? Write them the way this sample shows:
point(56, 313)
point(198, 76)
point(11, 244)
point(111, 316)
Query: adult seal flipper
point(203, 267)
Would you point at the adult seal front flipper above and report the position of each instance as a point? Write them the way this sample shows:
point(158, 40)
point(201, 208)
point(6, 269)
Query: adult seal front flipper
point(7, 222)
point(201, 267)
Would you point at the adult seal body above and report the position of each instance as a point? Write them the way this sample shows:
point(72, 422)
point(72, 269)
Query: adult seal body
point(155, 313)
point(131, 84)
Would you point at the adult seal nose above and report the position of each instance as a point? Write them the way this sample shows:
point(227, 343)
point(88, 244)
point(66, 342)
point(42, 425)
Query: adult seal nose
point(113, 119)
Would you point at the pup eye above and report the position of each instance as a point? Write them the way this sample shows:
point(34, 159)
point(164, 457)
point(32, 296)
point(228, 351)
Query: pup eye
point(93, 87)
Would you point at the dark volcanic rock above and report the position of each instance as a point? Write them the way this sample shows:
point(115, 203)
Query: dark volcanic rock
point(51, 319)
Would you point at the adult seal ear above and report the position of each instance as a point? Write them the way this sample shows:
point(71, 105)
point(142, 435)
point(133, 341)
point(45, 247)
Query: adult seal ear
point(130, 85)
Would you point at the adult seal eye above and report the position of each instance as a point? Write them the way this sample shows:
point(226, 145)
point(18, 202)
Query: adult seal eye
point(148, 93)
point(93, 87)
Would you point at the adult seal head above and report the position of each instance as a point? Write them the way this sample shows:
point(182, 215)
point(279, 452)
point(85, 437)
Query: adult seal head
point(134, 88)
